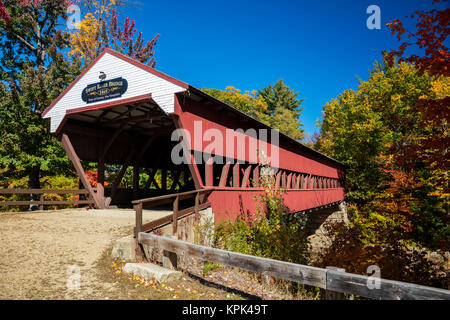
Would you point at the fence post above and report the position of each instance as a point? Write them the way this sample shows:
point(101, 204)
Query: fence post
point(197, 200)
point(41, 198)
point(137, 229)
point(170, 259)
point(175, 217)
point(333, 295)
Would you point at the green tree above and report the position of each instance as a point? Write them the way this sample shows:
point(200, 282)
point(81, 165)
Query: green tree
point(279, 96)
point(33, 72)
point(276, 105)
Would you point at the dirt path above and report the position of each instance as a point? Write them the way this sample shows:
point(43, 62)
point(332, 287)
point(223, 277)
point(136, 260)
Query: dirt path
point(37, 249)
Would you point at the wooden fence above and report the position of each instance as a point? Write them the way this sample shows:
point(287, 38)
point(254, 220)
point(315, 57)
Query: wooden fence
point(334, 280)
point(41, 202)
point(175, 198)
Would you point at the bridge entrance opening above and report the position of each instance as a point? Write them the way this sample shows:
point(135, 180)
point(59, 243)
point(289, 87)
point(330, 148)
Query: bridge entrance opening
point(129, 147)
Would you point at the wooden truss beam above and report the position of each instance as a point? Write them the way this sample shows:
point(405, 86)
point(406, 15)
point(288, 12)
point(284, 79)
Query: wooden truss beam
point(121, 174)
point(256, 176)
point(224, 175)
point(236, 178)
point(175, 179)
point(209, 173)
point(289, 181)
point(189, 158)
point(124, 114)
point(277, 179)
point(151, 178)
point(79, 168)
point(246, 178)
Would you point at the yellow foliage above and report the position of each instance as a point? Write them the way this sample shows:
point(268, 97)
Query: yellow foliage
point(441, 87)
point(87, 41)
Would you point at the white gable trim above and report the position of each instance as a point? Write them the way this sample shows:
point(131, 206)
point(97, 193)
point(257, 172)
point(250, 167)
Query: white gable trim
point(141, 80)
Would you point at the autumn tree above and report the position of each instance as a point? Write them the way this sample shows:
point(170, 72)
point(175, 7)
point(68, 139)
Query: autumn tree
point(367, 130)
point(430, 37)
point(100, 29)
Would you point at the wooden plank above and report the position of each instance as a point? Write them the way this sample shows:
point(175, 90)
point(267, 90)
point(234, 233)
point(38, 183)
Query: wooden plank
point(333, 295)
point(151, 178)
point(137, 229)
point(111, 140)
point(175, 216)
point(196, 203)
point(209, 173)
point(283, 179)
point(389, 290)
point(41, 198)
point(149, 116)
point(119, 177)
point(236, 178)
point(122, 115)
point(65, 141)
point(101, 177)
point(135, 180)
point(256, 177)
point(289, 181)
point(167, 219)
point(175, 180)
point(277, 179)
point(246, 178)
point(164, 179)
point(39, 191)
point(182, 195)
point(189, 157)
point(138, 211)
point(26, 203)
point(289, 271)
point(224, 175)
point(144, 148)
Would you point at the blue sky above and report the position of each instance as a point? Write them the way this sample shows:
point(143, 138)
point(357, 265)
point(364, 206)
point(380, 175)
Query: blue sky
point(318, 47)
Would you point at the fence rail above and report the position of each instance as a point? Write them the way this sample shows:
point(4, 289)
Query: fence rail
point(330, 279)
point(41, 202)
point(175, 198)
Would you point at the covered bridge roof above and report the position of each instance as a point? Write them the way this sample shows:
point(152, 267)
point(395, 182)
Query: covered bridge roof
point(130, 81)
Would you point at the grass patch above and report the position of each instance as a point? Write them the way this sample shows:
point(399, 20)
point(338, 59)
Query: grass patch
point(208, 267)
point(126, 286)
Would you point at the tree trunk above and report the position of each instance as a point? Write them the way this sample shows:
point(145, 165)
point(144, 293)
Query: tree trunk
point(33, 183)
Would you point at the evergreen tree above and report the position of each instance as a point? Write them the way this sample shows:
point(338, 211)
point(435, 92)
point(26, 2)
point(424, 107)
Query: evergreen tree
point(283, 109)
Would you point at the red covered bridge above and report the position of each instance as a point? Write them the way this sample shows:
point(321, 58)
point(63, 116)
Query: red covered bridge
point(123, 113)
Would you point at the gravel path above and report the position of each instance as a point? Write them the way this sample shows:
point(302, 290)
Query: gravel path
point(38, 247)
